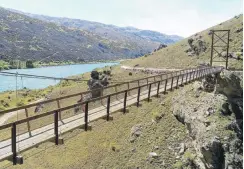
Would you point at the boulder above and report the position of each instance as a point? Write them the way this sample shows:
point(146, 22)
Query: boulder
point(202, 46)
point(213, 154)
point(38, 108)
point(209, 83)
point(229, 84)
point(152, 155)
point(239, 30)
point(182, 149)
point(190, 41)
point(135, 132)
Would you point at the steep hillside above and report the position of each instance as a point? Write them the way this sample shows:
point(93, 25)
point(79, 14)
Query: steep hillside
point(181, 55)
point(110, 31)
point(25, 38)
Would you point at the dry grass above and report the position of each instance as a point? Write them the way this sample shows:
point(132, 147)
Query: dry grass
point(108, 145)
point(174, 56)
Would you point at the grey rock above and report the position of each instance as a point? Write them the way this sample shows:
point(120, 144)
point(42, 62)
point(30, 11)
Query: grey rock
point(152, 155)
point(155, 147)
point(197, 93)
point(210, 110)
point(239, 30)
point(182, 149)
point(213, 153)
point(226, 147)
point(209, 83)
point(136, 130)
point(132, 139)
point(207, 113)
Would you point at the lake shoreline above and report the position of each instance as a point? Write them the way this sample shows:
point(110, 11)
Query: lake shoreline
point(28, 95)
point(60, 71)
point(64, 64)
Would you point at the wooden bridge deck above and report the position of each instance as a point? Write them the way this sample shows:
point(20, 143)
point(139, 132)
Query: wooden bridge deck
point(40, 135)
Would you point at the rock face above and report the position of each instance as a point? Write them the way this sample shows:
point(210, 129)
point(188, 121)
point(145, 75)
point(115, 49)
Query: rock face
point(229, 84)
point(196, 46)
point(161, 46)
point(209, 83)
point(213, 154)
point(220, 95)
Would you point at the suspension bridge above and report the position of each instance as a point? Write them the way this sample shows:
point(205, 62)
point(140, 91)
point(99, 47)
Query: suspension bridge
point(22, 136)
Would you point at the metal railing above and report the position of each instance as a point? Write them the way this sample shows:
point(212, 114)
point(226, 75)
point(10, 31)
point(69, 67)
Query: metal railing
point(175, 79)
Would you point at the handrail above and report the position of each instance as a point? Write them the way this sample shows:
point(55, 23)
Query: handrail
point(82, 93)
point(197, 73)
point(95, 99)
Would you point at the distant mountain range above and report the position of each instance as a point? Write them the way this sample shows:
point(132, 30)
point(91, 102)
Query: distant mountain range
point(43, 38)
point(110, 31)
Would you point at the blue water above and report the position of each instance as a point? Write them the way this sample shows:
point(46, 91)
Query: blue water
point(9, 83)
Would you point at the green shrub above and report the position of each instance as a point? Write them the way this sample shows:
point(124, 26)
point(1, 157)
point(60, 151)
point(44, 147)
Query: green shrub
point(178, 165)
point(20, 103)
point(189, 156)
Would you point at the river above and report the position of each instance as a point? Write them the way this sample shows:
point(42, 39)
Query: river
point(9, 83)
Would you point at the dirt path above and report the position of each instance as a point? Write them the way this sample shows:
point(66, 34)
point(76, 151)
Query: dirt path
point(148, 70)
point(7, 116)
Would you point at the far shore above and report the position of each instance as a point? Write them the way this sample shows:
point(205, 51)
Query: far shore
point(64, 64)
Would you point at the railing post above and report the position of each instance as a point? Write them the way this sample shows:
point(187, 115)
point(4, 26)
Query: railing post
point(58, 103)
point(182, 78)
point(158, 89)
point(128, 84)
point(172, 81)
point(13, 138)
point(86, 116)
point(198, 71)
point(149, 92)
point(147, 82)
point(124, 111)
point(194, 74)
point(56, 127)
point(165, 86)
point(138, 96)
point(138, 83)
point(186, 77)
point(28, 123)
point(108, 107)
point(116, 91)
point(190, 75)
point(177, 81)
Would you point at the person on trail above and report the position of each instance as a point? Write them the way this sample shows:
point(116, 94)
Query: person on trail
point(95, 85)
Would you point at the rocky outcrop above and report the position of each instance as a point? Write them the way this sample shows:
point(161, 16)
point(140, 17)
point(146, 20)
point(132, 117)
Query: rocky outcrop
point(213, 154)
point(208, 117)
point(196, 46)
point(209, 83)
point(161, 46)
point(136, 131)
point(229, 84)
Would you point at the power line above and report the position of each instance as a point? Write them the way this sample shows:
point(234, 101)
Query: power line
point(37, 76)
point(49, 77)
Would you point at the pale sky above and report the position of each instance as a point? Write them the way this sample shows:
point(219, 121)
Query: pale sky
point(181, 17)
